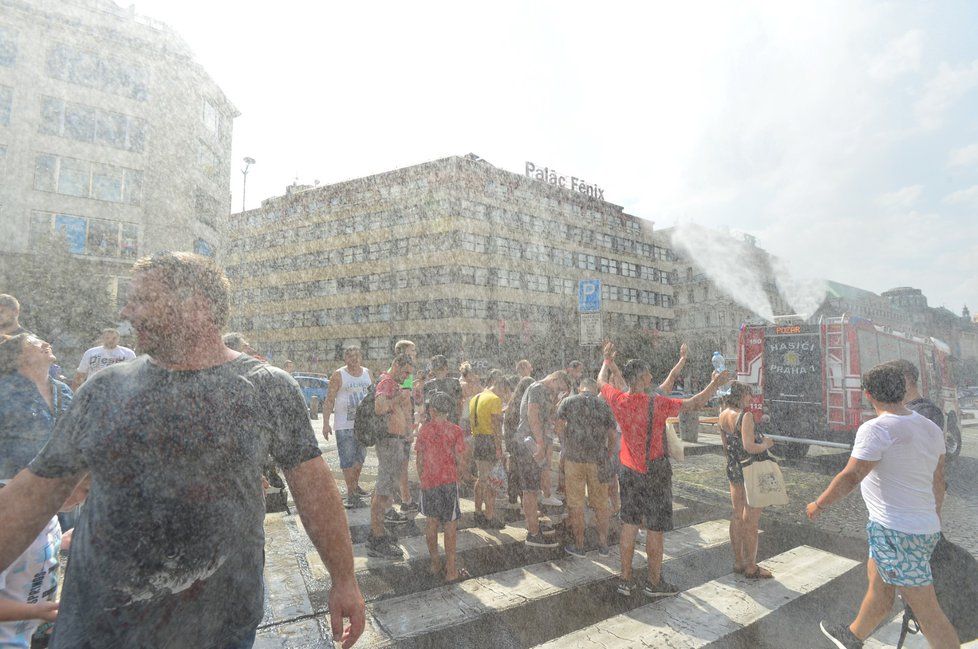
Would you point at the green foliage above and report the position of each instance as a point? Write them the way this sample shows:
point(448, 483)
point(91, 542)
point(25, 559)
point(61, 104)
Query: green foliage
point(61, 299)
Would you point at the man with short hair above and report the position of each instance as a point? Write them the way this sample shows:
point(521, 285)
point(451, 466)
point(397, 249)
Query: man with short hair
point(534, 437)
point(575, 370)
point(442, 382)
point(486, 417)
point(289, 366)
point(898, 462)
point(913, 399)
point(10, 316)
point(347, 387)
point(98, 358)
point(586, 428)
point(646, 475)
point(524, 368)
point(170, 549)
point(394, 403)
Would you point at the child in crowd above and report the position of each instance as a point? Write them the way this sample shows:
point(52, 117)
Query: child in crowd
point(440, 448)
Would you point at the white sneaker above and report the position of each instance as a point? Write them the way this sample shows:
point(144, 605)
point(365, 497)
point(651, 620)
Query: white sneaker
point(552, 501)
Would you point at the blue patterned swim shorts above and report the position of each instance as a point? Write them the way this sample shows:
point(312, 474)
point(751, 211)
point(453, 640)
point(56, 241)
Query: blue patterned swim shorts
point(902, 559)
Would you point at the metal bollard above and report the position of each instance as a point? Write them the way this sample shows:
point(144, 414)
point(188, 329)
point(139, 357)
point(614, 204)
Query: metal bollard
point(314, 407)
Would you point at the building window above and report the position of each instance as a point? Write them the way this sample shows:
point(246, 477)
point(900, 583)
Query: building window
point(8, 46)
point(85, 179)
point(86, 68)
point(89, 124)
point(86, 236)
point(6, 101)
point(208, 161)
point(206, 208)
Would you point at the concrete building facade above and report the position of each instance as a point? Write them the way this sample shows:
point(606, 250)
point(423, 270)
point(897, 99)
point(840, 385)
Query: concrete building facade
point(469, 260)
point(110, 134)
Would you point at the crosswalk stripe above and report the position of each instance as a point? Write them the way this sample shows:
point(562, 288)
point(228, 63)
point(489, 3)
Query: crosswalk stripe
point(447, 606)
point(707, 613)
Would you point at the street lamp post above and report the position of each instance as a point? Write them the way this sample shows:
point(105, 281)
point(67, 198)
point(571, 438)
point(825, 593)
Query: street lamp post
point(244, 184)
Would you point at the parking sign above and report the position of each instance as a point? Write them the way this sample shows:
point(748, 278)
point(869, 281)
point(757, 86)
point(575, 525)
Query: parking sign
point(589, 296)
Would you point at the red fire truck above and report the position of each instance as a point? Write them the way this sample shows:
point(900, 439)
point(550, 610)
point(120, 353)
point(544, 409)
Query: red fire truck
point(805, 379)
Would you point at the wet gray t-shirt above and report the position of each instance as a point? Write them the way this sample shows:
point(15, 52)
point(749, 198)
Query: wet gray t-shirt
point(169, 549)
point(539, 394)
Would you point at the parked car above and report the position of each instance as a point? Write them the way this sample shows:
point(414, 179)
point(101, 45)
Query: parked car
point(312, 385)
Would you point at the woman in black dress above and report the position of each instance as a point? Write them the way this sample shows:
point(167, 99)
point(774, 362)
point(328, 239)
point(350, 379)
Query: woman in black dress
point(741, 443)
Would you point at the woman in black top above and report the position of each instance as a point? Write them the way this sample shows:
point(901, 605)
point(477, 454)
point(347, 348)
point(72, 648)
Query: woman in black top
point(741, 444)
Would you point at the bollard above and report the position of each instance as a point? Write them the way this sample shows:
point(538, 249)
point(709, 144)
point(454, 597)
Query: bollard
point(689, 426)
point(314, 407)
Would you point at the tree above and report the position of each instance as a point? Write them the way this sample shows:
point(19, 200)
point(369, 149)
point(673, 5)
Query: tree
point(62, 300)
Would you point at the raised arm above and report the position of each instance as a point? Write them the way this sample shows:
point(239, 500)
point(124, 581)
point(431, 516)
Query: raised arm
point(670, 382)
point(610, 374)
point(27, 503)
point(335, 383)
point(696, 402)
point(324, 519)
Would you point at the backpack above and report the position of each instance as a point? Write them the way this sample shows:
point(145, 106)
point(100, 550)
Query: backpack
point(369, 427)
point(956, 584)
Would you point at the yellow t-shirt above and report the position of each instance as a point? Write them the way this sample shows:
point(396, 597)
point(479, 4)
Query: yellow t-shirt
point(481, 418)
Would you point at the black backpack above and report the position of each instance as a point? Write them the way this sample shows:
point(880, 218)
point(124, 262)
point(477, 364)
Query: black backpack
point(956, 584)
point(369, 427)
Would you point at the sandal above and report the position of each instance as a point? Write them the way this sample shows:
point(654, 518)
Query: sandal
point(738, 570)
point(759, 573)
point(462, 575)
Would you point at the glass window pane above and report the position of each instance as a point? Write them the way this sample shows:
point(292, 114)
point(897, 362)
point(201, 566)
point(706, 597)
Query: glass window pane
point(134, 187)
point(80, 122)
point(107, 183)
point(103, 238)
point(137, 134)
point(6, 101)
point(74, 177)
point(44, 173)
point(82, 67)
point(130, 240)
point(8, 46)
point(73, 229)
point(110, 129)
point(52, 115)
point(40, 229)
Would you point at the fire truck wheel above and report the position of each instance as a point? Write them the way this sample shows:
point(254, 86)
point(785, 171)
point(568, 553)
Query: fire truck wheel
point(952, 438)
point(790, 451)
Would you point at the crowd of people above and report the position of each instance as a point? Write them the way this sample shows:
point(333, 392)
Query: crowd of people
point(170, 451)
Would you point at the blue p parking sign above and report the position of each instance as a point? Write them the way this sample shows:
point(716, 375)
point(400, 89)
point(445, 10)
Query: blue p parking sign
point(589, 296)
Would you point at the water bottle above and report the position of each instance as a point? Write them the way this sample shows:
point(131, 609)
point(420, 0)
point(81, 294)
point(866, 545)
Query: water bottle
point(720, 364)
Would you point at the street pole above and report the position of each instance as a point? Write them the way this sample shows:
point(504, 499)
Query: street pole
point(244, 183)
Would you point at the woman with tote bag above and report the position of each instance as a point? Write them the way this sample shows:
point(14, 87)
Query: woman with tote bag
point(743, 446)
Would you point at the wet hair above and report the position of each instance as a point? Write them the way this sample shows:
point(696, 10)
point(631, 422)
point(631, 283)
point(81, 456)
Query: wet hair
point(885, 383)
point(576, 365)
point(495, 377)
point(400, 360)
point(9, 301)
point(908, 369)
point(563, 377)
point(633, 369)
point(11, 348)
point(235, 341)
point(737, 392)
point(465, 369)
point(523, 363)
point(441, 402)
point(401, 346)
point(439, 362)
point(512, 420)
point(589, 384)
point(188, 274)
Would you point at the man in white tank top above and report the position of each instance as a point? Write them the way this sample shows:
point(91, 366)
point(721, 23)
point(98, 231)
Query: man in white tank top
point(347, 387)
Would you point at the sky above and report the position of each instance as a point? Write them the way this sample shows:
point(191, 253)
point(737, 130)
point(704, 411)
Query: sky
point(843, 135)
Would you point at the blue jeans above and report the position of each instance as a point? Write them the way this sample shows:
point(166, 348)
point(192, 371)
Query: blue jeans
point(352, 452)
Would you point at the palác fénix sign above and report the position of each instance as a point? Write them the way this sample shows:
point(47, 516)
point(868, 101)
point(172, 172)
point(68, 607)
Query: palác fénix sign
point(548, 175)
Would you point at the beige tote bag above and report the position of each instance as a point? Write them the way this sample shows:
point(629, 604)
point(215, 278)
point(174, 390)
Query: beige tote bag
point(764, 484)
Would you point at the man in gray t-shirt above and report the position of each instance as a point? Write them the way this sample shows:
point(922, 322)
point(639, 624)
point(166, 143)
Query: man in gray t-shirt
point(169, 550)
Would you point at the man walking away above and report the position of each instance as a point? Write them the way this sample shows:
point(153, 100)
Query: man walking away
point(393, 403)
point(586, 427)
point(347, 387)
point(442, 382)
point(486, 413)
point(170, 549)
point(98, 358)
point(898, 462)
point(524, 368)
point(646, 475)
point(913, 399)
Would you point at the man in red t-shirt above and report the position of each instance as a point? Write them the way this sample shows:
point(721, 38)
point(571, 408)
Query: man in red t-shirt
point(646, 475)
point(439, 448)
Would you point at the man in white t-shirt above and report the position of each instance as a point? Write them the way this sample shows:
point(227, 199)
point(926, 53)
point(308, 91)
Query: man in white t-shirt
point(98, 358)
point(898, 462)
point(347, 387)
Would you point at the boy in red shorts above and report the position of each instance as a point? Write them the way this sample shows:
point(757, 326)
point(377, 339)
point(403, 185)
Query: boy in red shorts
point(439, 449)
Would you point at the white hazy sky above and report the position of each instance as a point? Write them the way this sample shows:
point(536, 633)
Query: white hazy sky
point(842, 134)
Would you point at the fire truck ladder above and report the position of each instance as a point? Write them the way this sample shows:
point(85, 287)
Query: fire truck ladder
point(835, 370)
